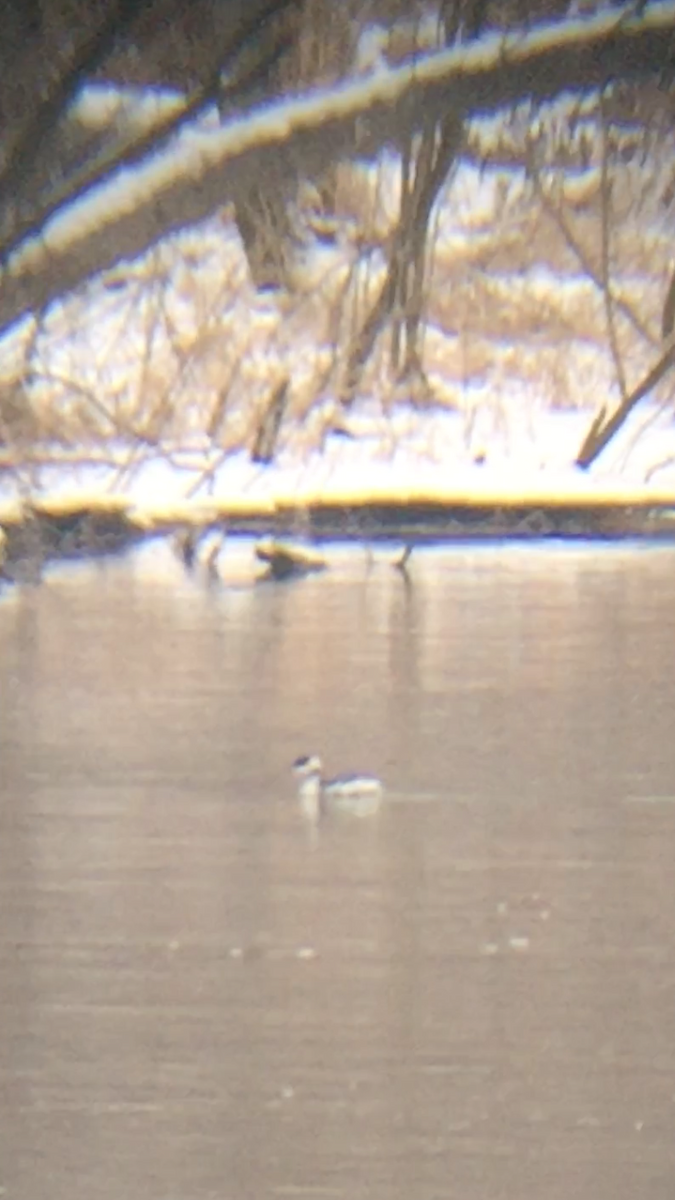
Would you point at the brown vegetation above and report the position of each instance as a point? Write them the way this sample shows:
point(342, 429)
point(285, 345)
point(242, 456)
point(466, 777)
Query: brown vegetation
point(403, 310)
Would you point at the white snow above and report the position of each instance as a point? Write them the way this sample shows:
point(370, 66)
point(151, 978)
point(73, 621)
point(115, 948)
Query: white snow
point(178, 343)
point(202, 146)
point(409, 457)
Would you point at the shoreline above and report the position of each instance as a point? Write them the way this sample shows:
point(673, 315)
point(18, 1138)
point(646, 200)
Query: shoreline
point(58, 530)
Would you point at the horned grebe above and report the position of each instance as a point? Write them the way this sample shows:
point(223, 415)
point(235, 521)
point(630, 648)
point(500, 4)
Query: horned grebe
point(357, 794)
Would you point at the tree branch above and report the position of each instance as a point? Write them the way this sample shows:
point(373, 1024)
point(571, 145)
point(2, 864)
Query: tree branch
point(601, 432)
point(192, 177)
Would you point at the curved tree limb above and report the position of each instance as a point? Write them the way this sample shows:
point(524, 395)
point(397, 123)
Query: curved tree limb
point(192, 177)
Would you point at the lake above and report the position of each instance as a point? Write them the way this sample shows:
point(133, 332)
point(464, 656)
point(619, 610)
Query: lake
point(468, 995)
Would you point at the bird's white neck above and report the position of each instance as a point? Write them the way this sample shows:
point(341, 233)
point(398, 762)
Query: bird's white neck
point(310, 794)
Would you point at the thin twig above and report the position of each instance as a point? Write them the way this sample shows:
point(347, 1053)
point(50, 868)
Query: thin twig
point(595, 277)
point(605, 253)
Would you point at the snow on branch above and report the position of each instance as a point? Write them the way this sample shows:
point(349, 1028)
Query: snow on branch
point(205, 165)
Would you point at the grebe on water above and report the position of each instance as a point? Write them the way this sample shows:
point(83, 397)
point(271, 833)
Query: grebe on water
point(357, 794)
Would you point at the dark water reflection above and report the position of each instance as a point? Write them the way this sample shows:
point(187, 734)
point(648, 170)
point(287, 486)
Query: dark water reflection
point(472, 995)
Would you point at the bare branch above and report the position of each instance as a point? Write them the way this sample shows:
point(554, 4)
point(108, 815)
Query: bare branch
point(602, 432)
point(190, 179)
point(605, 256)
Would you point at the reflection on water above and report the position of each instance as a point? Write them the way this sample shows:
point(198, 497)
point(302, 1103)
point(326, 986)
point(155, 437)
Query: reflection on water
point(468, 995)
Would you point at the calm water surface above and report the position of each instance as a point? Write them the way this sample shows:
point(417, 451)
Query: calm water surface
point(471, 995)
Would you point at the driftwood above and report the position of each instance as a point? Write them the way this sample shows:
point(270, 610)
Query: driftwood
point(199, 545)
point(284, 562)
